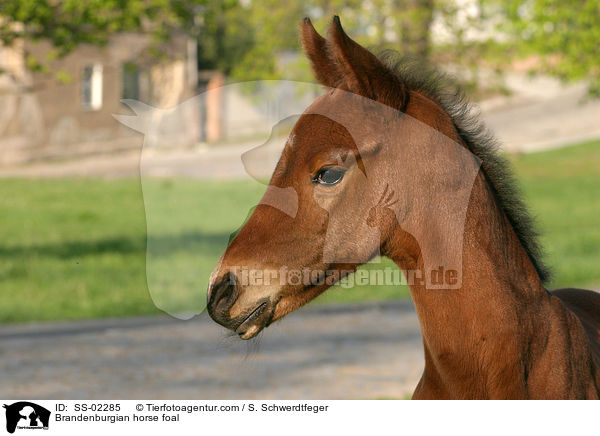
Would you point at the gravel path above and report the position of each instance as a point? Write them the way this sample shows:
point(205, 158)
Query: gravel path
point(363, 351)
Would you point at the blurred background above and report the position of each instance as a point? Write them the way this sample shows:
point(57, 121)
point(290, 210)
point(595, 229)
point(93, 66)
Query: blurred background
point(78, 185)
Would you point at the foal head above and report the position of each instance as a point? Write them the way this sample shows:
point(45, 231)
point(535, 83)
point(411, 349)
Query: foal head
point(331, 204)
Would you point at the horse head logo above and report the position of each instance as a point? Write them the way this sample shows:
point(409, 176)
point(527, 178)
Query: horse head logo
point(26, 414)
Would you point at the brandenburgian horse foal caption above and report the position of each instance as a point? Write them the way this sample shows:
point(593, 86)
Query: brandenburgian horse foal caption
point(388, 162)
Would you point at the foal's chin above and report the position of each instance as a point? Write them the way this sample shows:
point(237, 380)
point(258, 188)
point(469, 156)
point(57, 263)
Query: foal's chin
point(279, 306)
point(247, 310)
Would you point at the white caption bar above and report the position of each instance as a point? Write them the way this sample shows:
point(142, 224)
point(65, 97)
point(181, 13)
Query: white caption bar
point(305, 417)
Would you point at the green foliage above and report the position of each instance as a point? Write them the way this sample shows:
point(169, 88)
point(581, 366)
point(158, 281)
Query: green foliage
point(68, 23)
point(249, 39)
point(379, 24)
point(224, 36)
point(564, 34)
point(275, 27)
point(63, 77)
point(245, 39)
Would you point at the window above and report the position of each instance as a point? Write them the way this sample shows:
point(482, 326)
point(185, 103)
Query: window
point(91, 87)
point(130, 81)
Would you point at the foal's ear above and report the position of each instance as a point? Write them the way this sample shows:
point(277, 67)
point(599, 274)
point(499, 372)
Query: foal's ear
point(315, 47)
point(362, 72)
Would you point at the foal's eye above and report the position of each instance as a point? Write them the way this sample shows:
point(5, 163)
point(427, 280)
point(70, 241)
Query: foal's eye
point(329, 176)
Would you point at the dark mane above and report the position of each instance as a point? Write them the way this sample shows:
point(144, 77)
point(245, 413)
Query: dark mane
point(479, 140)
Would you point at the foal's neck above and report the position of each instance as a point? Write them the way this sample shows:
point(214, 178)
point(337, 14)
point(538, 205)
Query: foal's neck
point(465, 329)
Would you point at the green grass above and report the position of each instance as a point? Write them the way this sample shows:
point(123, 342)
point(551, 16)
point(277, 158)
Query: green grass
point(562, 188)
point(76, 248)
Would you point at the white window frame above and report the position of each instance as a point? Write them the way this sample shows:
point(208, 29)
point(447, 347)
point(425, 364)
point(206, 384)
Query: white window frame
point(92, 102)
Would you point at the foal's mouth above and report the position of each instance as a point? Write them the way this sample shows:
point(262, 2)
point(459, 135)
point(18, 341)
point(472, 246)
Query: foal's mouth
point(257, 320)
point(275, 308)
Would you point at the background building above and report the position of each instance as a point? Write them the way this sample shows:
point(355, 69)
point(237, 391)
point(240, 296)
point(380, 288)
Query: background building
point(68, 112)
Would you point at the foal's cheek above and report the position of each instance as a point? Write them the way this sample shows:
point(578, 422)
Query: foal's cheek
point(327, 198)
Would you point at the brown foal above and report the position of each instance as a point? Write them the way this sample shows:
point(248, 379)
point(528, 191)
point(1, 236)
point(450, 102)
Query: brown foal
point(411, 178)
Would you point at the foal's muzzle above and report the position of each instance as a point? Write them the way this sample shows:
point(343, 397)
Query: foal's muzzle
point(223, 294)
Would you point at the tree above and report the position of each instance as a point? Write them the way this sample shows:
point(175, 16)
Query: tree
point(563, 34)
point(404, 25)
point(401, 24)
point(68, 23)
point(243, 38)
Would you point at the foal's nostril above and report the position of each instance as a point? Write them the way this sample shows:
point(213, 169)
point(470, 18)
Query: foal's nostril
point(223, 294)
